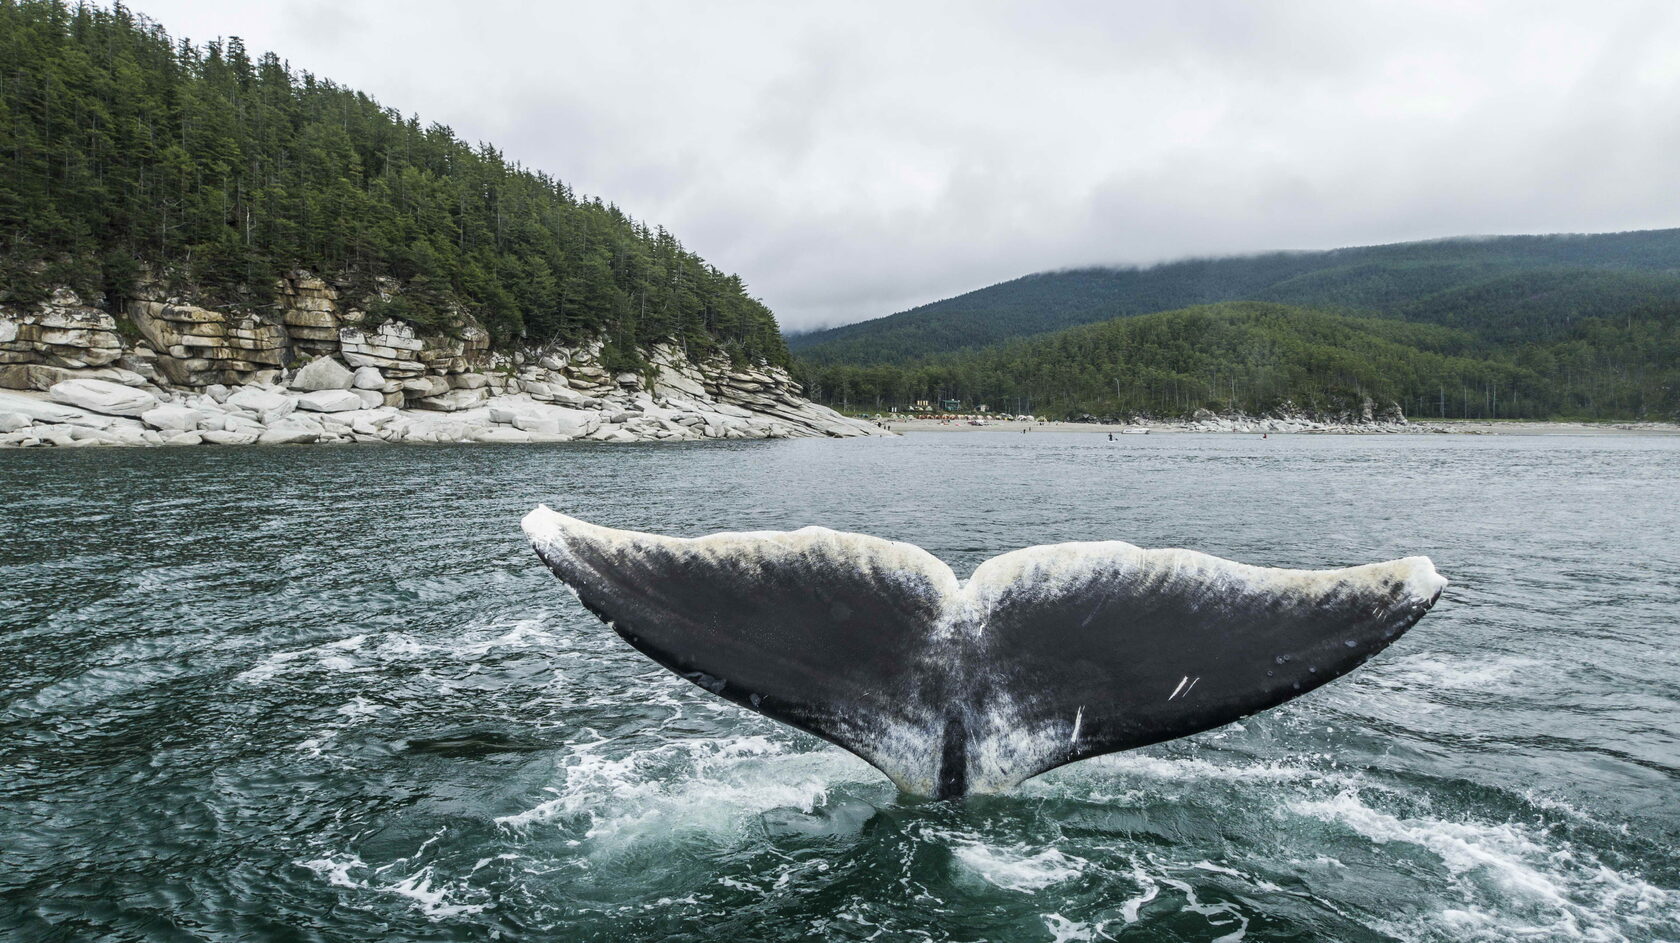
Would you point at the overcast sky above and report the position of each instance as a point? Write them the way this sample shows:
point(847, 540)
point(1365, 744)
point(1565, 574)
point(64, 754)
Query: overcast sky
point(852, 159)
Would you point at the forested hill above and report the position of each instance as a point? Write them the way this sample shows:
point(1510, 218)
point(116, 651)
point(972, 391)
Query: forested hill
point(1503, 288)
point(1257, 357)
point(124, 152)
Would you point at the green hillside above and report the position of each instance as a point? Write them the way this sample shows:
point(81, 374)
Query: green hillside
point(1534, 288)
point(1256, 357)
point(123, 152)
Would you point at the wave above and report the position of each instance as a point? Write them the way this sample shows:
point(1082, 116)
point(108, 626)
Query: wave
point(1509, 880)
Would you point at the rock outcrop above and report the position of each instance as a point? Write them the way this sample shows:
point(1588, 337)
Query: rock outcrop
point(61, 335)
point(169, 372)
point(1287, 417)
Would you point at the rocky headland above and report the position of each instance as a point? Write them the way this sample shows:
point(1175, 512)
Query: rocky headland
point(164, 371)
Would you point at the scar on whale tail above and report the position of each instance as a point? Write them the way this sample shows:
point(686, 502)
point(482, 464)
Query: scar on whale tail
point(1044, 656)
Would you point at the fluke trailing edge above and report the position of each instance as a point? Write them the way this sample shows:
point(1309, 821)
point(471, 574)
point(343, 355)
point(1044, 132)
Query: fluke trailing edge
point(1044, 656)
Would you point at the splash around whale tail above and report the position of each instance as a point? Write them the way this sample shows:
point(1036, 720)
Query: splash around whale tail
point(1044, 656)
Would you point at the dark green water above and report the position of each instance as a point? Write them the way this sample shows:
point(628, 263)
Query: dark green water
point(329, 694)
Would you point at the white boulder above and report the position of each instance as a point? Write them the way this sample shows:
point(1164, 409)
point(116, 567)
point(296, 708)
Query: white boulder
point(101, 396)
point(330, 401)
point(291, 430)
point(542, 424)
point(566, 396)
point(455, 400)
point(266, 406)
point(323, 373)
point(121, 434)
point(287, 437)
point(12, 422)
point(39, 410)
point(167, 418)
point(573, 422)
point(501, 435)
point(670, 381)
point(368, 378)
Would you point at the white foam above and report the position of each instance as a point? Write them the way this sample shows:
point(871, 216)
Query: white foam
point(335, 870)
point(1218, 915)
point(1107, 769)
point(360, 707)
point(317, 744)
point(1130, 908)
point(1544, 888)
point(1433, 672)
point(1063, 930)
point(1014, 869)
point(364, 653)
point(435, 902)
point(329, 655)
point(717, 787)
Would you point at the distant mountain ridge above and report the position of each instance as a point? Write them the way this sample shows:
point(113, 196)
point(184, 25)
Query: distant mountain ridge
point(1502, 287)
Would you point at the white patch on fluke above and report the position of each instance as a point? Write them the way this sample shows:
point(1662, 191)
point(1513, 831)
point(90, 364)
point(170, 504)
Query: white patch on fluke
point(1043, 567)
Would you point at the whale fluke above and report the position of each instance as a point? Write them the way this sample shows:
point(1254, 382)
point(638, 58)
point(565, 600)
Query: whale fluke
point(1044, 656)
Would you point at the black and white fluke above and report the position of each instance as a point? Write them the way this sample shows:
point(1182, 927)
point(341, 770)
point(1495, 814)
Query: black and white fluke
point(1044, 656)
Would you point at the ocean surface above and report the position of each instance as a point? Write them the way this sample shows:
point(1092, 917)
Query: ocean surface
point(330, 694)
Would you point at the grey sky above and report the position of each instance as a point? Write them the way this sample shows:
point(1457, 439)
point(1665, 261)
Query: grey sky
point(854, 159)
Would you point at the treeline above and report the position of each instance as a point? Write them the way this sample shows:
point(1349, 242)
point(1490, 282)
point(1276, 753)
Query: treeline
point(1256, 357)
point(123, 151)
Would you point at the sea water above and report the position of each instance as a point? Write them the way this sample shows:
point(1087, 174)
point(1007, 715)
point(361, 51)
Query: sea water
point(330, 694)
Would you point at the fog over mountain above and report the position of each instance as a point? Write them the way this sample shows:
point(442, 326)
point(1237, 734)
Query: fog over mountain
point(857, 159)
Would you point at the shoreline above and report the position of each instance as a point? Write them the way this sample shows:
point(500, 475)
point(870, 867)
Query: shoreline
point(163, 372)
point(87, 412)
point(1261, 427)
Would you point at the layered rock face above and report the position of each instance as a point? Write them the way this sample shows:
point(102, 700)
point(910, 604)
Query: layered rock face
point(177, 373)
point(61, 334)
point(195, 347)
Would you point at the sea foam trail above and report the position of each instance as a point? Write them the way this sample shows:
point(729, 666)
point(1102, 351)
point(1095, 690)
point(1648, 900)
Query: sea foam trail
point(1509, 880)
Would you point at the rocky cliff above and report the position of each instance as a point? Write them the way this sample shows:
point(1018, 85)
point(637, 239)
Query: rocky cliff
point(317, 369)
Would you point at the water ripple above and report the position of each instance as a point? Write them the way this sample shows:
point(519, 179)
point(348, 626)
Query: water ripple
point(328, 694)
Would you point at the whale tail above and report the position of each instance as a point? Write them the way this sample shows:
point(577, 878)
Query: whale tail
point(1044, 656)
